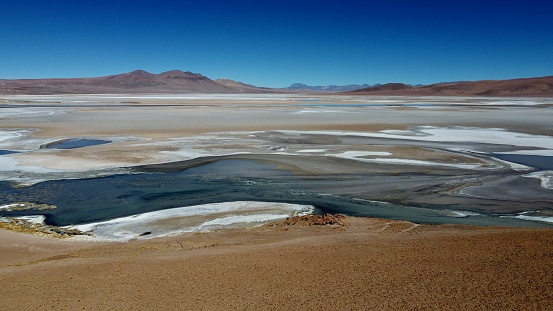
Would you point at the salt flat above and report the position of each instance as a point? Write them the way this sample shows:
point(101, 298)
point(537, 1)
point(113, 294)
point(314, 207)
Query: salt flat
point(454, 136)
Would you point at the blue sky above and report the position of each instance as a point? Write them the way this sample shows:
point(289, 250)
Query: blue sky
point(278, 43)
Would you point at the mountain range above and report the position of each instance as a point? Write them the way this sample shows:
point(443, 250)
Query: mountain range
point(176, 81)
point(327, 88)
point(539, 87)
point(135, 82)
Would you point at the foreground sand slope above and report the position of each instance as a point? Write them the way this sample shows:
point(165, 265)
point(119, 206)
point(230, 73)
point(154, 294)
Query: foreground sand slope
point(367, 264)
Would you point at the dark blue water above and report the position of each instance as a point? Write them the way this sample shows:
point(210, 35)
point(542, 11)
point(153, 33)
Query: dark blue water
point(4, 152)
point(535, 161)
point(89, 200)
point(373, 105)
point(76, 143)
point(343, 105)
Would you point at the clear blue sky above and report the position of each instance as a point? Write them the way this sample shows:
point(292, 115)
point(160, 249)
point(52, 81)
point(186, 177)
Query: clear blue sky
point(277, 43)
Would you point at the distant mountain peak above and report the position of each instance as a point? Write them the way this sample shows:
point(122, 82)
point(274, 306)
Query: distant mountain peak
point(172, 72)
point(139, 72)
point(178, 74)
point(298, 85)
point(137, 81)
point(241, 87)
point(540, 86)
point(326, 88)
point(229, 82)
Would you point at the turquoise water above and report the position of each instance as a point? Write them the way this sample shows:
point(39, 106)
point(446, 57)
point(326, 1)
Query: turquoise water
point(82, 201)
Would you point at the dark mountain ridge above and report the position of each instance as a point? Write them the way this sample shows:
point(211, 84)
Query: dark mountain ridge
point(326, 88)
point(138, 81)
point(177, 81)
point(533, 87)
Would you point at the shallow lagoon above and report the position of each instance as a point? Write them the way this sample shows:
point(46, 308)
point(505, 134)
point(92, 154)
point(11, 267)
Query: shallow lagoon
point(535, 161)
point(83, 201)
point(76, 143)
point(4, 152)
point(179, 128)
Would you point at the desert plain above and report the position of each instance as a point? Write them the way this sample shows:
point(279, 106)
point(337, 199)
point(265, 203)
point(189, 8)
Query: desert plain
point(449, 202)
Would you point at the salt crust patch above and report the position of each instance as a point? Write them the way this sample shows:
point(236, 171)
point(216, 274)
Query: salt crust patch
point(311, 110)
point(206, 97)
point(546, 178)
point(355, 154)
point(225, 221)
point(418, 162)
point(534, 218)
point(311, 150)
point(19, 140)
point(338, 98)
point(26, 112)
point(199, 146)
point(6, 135)
point(399, 132)
point(452, 134)
point(513, 103)
point(10, 206)
point(461, 214)
point(525, 216)
point(186, 153)
point(213, 216)
point(191, 154)
point(514, 166)
point(10, 164)
point(35, 219)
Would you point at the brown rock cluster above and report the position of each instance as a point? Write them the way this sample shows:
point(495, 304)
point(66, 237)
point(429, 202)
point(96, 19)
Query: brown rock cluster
point(316, 220)
point(23, 226)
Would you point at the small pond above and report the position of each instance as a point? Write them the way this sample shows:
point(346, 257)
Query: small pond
point(4, 152)
point(75, 143)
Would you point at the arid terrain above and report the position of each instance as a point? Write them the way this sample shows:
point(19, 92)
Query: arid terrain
point(427, 159)
point(358, 264)
point(276, 155)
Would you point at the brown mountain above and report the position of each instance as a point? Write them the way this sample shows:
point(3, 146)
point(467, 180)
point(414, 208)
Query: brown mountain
point(176, 81)
point(240, 87)
point(138, 81)
point(388, 87)
point(536, 87)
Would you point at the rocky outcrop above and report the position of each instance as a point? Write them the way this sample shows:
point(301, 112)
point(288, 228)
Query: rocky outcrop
point(24, 226)
point(316, 220)
point(24, 206)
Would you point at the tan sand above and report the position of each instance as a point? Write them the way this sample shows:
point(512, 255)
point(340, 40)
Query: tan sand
point(369, 264)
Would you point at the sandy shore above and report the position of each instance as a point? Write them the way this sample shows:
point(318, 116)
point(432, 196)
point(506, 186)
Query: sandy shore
point(367, 264)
